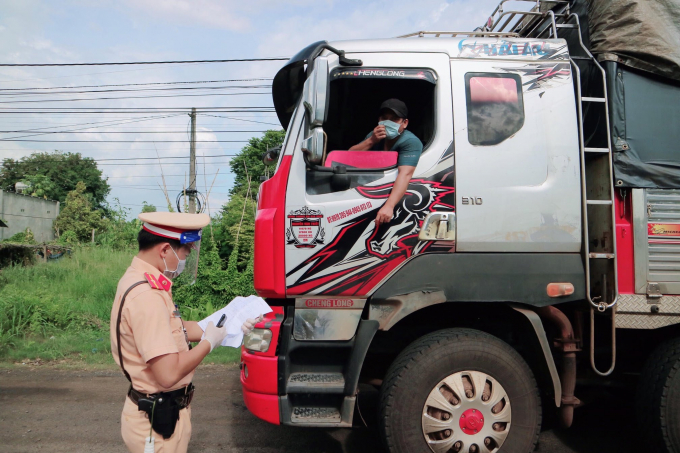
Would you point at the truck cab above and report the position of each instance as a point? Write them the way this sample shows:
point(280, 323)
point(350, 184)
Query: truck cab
point(467, 310)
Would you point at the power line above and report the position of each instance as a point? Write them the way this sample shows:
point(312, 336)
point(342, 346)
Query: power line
point(233, 60)
point(141, 186)
point(81, 150)
point(111, 123)
point(95, 122)
point(161, 190)
point(128, 132)
point(155, 163)
point(137, 158)
point(136, 84)
point(124, 141)
point(83, 75)
point(133, 110)
point(237, 119)
point(143, 176)
point(136, 90)
point(134, 97)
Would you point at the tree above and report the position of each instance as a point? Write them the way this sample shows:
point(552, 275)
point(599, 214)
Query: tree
point(78, 216)
point(236, 220)
point(54, 175)
point(148, 207)
point(248, 162)
point(39, 185)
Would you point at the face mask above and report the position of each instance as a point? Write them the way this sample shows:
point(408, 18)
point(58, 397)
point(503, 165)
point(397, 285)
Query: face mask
point(180, 266)
point(391, 128)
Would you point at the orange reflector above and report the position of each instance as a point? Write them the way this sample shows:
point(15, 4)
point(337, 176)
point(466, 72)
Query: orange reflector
point(560, 289)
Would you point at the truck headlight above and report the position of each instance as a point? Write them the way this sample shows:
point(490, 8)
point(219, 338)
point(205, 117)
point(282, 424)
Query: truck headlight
point(258, 340)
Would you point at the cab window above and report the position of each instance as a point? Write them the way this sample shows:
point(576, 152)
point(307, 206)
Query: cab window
point(495, 107)
point(356, 95)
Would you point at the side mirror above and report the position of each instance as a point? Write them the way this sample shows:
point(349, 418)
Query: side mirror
point(314, 146)
point(315, 98)
point(271, 156)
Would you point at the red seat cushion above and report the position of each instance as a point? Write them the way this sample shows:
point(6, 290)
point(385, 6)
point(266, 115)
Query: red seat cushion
point(362, 159)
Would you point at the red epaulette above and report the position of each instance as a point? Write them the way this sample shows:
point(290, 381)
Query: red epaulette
point(161, 282)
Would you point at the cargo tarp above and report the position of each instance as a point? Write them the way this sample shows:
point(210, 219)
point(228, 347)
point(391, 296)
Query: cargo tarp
point(644, 116)
point(641, 34)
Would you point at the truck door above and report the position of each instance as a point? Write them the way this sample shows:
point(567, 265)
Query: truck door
point(332, 245)
point(517, 156)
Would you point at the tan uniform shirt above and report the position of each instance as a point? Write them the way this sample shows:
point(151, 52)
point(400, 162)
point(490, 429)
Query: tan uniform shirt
point(149, 328)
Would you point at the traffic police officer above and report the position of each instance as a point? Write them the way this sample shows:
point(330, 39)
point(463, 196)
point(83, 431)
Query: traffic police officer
point(149, 339)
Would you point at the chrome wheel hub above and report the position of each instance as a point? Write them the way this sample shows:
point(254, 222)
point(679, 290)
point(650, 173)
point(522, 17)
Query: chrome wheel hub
point(467, 412)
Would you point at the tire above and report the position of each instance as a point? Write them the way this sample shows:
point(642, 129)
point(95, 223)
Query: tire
point(658, 398)
point(445, 356)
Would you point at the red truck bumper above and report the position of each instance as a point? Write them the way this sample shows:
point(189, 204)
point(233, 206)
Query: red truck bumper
point(259, 373)
point(258, 379)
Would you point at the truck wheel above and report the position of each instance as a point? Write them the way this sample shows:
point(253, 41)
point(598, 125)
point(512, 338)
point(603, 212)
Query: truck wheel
point(459, 390)
point(658, 398)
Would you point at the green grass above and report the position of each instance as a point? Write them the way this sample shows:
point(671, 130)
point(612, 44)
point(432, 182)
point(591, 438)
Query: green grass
point(59, 311)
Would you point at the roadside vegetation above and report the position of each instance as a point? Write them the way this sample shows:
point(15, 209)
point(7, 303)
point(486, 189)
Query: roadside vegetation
point(59, 310)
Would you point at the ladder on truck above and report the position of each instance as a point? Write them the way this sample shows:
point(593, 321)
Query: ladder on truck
point(543, 21)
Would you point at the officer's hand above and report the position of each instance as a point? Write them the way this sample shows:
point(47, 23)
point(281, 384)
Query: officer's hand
point(378, 134)
point(384, 215)
point(249, 324)
point(214, 335)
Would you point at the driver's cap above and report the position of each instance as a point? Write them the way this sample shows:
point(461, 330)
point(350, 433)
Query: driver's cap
point(397, 106)
point(182, 227)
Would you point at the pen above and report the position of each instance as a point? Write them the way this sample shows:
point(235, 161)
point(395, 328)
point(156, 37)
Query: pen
point(220, 323)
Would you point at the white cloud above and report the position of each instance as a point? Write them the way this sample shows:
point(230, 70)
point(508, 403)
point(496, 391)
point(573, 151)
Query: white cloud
point(375, 19)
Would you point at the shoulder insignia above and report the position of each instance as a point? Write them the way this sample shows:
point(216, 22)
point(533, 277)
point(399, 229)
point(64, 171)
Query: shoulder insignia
point(161, 282)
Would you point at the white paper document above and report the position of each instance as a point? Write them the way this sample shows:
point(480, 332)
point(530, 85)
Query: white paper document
point(237, 311)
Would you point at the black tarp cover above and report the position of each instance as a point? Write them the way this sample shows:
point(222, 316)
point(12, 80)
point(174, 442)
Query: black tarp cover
point(644, 117)
point(638, 43)
point(641, 34)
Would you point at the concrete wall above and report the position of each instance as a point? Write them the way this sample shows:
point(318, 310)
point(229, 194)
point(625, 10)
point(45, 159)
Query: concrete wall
point(23, 211)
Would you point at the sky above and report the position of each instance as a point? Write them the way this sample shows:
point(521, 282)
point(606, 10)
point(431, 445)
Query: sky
point(78, 31)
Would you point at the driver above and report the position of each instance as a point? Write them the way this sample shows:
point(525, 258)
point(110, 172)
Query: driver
point(391, 135)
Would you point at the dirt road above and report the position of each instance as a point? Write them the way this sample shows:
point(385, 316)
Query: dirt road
point(43, 409)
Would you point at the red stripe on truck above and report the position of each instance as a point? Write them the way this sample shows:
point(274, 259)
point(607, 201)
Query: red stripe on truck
point(269, 256)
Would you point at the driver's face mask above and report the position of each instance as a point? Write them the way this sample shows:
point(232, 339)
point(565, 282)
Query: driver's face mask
point(180, 266)
point(391, 129)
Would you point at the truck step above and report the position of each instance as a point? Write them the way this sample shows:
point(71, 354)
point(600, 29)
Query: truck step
point(607, 256)
point(604, 202)
point(315, 415)
point(566, 26)
point(589, 99)
point(316, 383)
point(596, 150)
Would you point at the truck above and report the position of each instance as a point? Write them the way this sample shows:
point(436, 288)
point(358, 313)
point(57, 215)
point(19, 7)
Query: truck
point(534, 255)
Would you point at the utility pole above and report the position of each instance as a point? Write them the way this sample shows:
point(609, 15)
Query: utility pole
point(192, 164)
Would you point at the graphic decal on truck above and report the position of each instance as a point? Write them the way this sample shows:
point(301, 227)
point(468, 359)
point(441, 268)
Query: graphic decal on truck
point(539, 50)
point(305, 229)
point(663, 229)
point(360, 255)
point(542, 75)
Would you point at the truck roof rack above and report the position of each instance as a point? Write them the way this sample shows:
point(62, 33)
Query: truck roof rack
point(544, 16)
point(456, 34)
point(542, 20)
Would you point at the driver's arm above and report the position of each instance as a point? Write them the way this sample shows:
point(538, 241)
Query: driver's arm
point(370, 141)
point(398, 190)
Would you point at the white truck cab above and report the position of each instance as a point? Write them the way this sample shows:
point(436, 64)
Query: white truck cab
point(537, 237)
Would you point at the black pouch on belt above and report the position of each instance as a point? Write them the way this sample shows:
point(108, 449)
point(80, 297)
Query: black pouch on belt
point(163, 411)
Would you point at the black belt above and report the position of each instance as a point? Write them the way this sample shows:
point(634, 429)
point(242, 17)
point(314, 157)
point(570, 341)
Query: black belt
point(181, 396)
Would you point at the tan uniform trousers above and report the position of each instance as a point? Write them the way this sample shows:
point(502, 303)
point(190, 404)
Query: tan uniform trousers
point(135, 426)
